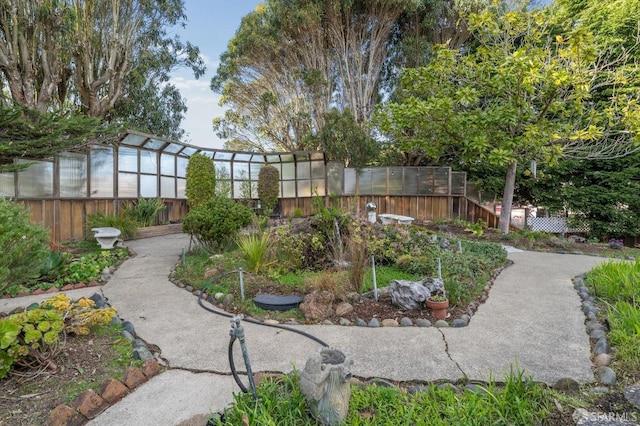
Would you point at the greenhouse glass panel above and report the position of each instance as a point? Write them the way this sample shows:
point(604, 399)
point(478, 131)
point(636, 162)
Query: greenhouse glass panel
point(222, 170)
point(272, 158)
point(189, 151)
point(219, 155)
point(182, 186)
point(101, 172)
point(134, 140)
point(7, 185)
point(127, 185)
point(148, 186)
point(242, 157)
point(441, 181)
point(288, 189)
point(168, 164)
point(254, 168)
point(182, 167)
point(302, 157)
point(335, 171)
point(304, 170)
point(149, 162)
point(288, 171)
point(37, 180)
point(154, 144)
point(349, 182)
point(317, 169)
point(240, 170)
point(167, 187)
point(304, 188)
point(318, 187)
point(365, 181)
point(458, 180)
point(73, 175)
point(425, 180)
point(379, 181)
point(173, 148)
point(317, 156)
point(287, 158)
point(409, 181)
point(127, 159)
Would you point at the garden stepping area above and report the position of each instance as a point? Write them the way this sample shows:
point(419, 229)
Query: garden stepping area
point(534, 318)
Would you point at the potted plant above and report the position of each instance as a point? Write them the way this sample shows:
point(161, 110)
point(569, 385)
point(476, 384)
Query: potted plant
point(438, 305)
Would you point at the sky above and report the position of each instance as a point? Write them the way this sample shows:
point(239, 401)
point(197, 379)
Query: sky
point(210, 26)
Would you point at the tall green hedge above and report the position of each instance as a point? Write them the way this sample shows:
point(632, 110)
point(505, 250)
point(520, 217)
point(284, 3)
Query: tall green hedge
point(201, 180)
point(268, 187)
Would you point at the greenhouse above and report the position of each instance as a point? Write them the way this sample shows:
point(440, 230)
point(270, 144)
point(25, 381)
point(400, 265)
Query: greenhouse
point(63, 190)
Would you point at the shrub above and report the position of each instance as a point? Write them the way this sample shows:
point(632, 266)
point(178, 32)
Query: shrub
point(25, 249)
point(268, 187)
point(255, 246)
point(127, 226)
point(216, 222)
point(145, 210)
point(201, 180)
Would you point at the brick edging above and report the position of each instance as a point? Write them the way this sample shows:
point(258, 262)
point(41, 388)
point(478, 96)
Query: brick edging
point(89, 404)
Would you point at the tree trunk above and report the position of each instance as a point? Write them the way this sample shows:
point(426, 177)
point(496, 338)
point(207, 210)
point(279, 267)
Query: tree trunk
point(507, 198)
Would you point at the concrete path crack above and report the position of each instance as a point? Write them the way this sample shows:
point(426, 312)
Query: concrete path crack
point(446, 349)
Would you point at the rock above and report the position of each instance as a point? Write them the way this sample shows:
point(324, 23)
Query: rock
point(343, 309)
point(271, 322)
point(374, 323)
point(405, 322)
point(597, 334)
point(127, 335)
point(410, 295)
point(116, 320)
point(318, 305)
point(599, 390)
point(422, 322)
point(605, 375)
point(591, 316)
point(475, 388)
point(594, 325)
point(128, 326)
point(566, 384)
point(218, 296)
point(458, 322)
point(189, 288)
point(228, 300)
point(138, 343)
point(632, 394)
point(450, 386)
point(416, 389)
point(602, 360)
point(353, 297)
point(327, 322)
point(445, 244)
point(344, 321)
point(97, 298)
point(441, 323)
point(142, 354)
point(389, 322)
point(360, 322)
point(601, 346)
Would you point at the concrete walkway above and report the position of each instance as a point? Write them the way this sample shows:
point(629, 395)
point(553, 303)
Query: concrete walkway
point(532, 318)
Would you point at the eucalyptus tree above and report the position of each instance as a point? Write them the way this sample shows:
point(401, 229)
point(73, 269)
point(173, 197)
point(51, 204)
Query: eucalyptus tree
point(292, 61)
point(520, 95)
point(90, 55)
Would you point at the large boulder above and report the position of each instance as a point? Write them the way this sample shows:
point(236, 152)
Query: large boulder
point(410, 295)
point(318, 305)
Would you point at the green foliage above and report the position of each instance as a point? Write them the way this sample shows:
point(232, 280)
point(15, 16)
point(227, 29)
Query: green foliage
point(145, 210)
point(615, 281)
point(342, 139)
point(358, 256)
point(268, 187)
point(518, 401)
point(624, 320)
point(29, 339)
point(24, 246)
point(29, 134)
point(201, 180)
point(255, 246)
point(216, 222)
point(89, 267)
point(125, 223)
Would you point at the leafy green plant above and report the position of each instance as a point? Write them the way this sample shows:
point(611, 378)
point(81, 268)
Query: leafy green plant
point(25, 249)
point(89, 267)
point(201, 180)
point(477, 229)
point(255, 246)
point(145, 210)
point(216, 222)
point(268, 187)
point(126, 224)
point(29, 339)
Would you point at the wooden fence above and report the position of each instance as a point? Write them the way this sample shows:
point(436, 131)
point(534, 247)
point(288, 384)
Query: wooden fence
point(67, 219)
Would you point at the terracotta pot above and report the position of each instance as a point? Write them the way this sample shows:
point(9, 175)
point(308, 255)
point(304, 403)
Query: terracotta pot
point(438, 309)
